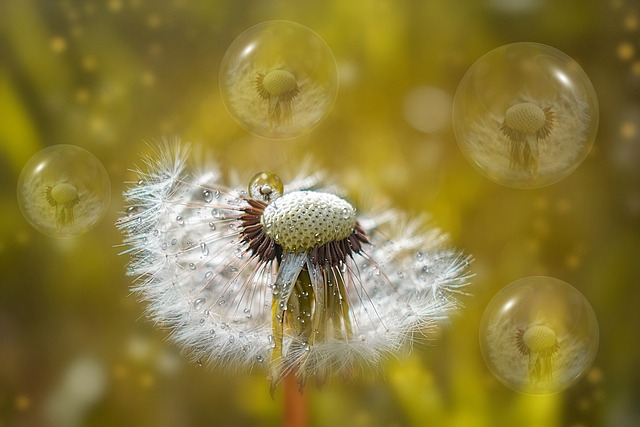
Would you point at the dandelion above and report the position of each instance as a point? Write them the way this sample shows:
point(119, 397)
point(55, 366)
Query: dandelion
point(63, 197)
point(524, 125)
point(540, 343)
point(278, 87)
point(285, 278)
point(535, 139)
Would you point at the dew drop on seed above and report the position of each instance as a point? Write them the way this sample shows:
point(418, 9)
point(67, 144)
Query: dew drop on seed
point(199, 303)
point(208, 275)
point(207, 196)
point(192, 266)
point(212, 226)
point(204, 248)
point(259, 359)
point(180, 220)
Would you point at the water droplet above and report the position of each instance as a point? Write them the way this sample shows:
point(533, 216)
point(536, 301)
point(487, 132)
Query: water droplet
point(266, 186)
point(239, 253)
point(208, 275)
point(259, 359)
point(199, 303)
point(247, 313)
point(346, 213)
point(192, 266)
point(180, 220)
point(204, 248)
point(272, 342)
point(207, 196)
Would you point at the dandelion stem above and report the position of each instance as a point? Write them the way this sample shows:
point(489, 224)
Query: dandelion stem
point(296, 408)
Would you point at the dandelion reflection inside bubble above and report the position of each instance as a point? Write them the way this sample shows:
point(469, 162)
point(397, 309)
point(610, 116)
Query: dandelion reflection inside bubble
point(525, 115)
point(539, 335)
point(278, 79)
point(63, 191)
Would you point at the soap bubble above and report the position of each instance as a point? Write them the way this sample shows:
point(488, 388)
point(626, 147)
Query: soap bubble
point(539, 335)
point(278, 79)
point(525, 115)
point(63, 191)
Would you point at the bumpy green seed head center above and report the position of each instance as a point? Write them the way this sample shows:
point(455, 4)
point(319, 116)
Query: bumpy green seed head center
point(64, 193)
point(539, 338)
point(302, 219)
point(279, 82)
point(525, 117)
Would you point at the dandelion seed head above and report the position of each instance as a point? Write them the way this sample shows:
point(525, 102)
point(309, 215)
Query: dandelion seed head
point(539, 338)
point(279, 82)
point(289, 282)
point(525, 117)
point(303, 219)
point(64, 194)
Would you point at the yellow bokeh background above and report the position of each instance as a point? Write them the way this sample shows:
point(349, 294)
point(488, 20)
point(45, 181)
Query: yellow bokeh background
point(108, 75)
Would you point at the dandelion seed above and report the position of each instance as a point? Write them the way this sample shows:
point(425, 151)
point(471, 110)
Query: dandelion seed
point(312, 293)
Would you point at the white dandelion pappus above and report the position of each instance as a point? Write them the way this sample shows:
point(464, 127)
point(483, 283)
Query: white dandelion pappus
point(293, 280)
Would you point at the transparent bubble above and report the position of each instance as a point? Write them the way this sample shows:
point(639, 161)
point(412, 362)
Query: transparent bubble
point(278, 79)
point(525, 115)
point(539, 335)
point(63, 191)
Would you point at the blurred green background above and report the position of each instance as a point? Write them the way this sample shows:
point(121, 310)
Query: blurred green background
point(106, 75)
